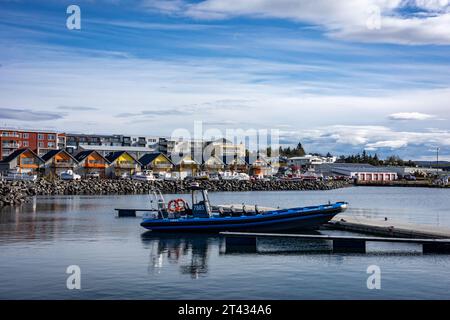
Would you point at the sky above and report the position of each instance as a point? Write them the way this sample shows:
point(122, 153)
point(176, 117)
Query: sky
point(340, 76)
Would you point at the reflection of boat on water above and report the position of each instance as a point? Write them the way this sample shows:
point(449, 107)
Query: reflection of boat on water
point(190, 252)
point(177, 216)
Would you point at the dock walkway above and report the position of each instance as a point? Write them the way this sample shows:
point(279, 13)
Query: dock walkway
point(340, 243)
point(389, 228)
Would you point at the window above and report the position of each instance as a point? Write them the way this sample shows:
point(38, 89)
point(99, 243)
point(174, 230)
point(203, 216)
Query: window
point(25, 143)
point(41, 144)
point(51, 137)
point(26, 135)
point(41, 136)
point(50, 144)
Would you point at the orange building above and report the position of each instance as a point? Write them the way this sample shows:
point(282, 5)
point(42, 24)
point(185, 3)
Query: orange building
point(22, 161)
point(57, 161)
point(39, 141)
point(90, 161)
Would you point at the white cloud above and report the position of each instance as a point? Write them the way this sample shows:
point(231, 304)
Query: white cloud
point(410, 116)
point(341, 139)
point(392, 144)
point(345, 19)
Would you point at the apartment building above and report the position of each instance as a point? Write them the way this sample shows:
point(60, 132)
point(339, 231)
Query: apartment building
point(39, 141)
point(140, 141)
point(74, 141)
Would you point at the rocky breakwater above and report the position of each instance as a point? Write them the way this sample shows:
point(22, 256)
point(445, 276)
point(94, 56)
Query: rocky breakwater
point(17, 192)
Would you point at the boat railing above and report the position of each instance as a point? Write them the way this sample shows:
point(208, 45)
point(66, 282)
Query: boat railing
point(157, 201)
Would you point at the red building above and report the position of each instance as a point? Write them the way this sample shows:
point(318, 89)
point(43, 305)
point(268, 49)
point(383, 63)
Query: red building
point(39, 141)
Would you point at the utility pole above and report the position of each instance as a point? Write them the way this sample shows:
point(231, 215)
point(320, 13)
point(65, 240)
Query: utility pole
point(437, 160)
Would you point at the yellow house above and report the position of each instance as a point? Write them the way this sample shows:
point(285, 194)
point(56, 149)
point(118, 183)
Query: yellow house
point(157, 162)
point(122, 164)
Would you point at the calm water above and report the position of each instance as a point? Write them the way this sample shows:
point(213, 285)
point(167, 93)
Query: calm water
point(119, 260)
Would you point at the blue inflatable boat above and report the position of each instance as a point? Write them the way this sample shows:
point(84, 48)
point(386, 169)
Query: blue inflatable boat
point(177, 216)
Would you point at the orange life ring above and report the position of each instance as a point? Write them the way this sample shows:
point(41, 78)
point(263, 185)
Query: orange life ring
point(176, 205)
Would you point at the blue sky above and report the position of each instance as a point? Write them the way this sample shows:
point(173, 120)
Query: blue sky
point(335, 75)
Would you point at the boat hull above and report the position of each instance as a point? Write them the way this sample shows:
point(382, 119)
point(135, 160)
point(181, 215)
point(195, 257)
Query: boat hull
point(280, 220)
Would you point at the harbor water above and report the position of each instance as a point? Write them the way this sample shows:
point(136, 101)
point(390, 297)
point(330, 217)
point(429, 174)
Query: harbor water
point(118, 259)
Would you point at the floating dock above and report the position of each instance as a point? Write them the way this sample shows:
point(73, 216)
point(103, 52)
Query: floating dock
point(387, 228)
point(354, 244)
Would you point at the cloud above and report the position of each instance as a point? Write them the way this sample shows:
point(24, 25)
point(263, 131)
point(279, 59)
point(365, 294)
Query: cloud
point(77, 108)
point(410, 116)
point(28, 115)
point(342, 139)
point(379, 21)
point(391, 144)
point(191, 109)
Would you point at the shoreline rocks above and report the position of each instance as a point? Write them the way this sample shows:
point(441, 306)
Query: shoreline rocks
point(17, 192)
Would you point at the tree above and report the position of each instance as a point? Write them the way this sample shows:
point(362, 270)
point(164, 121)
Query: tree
point(374, 160)
point(298, 151)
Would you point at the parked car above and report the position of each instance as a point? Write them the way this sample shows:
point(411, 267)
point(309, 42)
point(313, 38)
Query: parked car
point(69, 175)
point(410, 177)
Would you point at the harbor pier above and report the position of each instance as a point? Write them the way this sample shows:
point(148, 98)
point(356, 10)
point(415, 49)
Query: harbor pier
point(350, 244)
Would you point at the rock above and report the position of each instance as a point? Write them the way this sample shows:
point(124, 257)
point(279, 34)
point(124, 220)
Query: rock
point(17, 192)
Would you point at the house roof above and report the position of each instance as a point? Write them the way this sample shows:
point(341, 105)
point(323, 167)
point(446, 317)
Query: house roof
point(187, 159)
point(53, 153)
point(81, 156)
point(214, 159)
point(111, 157)
point(149, 157)
point(17, 153)
point(258, 158)
point(235, 160)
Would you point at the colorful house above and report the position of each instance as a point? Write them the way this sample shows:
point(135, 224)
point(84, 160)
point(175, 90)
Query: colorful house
point(122, 163)
point(57, 161)
point(157, 162)
point(236, 164)
point(91, 161)
point(187, 166)
point(22, 161)
point(213, 165)
point(259, 167)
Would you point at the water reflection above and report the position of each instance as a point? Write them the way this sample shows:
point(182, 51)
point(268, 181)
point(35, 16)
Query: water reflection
point(46, 220)
point(190, 251)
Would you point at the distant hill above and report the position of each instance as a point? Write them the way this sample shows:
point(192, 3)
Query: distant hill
point(433, 164)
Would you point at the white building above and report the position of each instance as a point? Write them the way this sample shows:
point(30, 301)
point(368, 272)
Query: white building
point(310, 160)
point(365, 173)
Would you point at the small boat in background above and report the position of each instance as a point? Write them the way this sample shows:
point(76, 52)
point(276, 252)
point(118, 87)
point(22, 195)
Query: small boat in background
point(15, 174)
point(146, 175)
point(178, 216)
point(228, 175)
